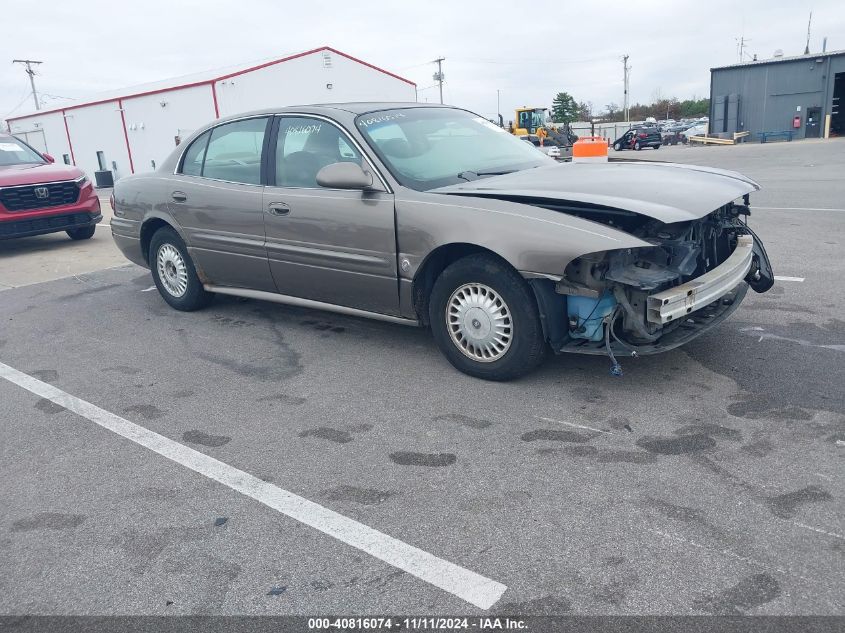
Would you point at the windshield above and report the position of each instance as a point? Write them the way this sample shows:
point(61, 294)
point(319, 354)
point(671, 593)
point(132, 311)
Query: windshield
point(14, 152)
point(426, 148)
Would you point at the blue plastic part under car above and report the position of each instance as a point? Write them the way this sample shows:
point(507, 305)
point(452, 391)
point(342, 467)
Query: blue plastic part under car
point(590, 313)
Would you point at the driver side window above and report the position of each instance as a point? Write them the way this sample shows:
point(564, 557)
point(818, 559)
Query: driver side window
point(304, 146)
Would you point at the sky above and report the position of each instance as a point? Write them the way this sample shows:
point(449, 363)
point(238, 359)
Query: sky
point(527, 51)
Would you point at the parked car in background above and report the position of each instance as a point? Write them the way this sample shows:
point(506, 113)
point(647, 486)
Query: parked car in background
point(695, 130)
point(639, 137)
point(548, 148)
point(38, 196)
point(433, 216)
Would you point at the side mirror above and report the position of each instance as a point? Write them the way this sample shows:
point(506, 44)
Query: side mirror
point(344, 176)
point(49, 158)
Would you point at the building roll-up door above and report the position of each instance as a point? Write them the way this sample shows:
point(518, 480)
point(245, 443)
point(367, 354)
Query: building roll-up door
point(732, 117)
point(717, 120)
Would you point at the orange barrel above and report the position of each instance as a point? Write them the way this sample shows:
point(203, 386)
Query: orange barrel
point(590, 149)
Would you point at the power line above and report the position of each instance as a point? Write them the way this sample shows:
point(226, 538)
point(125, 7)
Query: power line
point(28, 63)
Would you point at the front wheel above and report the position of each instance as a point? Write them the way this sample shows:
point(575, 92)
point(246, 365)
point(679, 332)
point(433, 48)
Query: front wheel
point(657, 147)
point(617, 146)
point(484, 319)
point(85, 233)
point(174, 273)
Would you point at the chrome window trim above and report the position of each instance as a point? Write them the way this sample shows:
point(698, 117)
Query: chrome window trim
point(176, 170)
point(385, 184)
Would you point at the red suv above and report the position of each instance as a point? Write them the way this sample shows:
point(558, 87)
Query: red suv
point(37, 196)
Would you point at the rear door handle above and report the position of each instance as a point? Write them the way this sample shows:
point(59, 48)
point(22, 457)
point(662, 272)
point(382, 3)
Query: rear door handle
point(278, 208)
point(179, 196)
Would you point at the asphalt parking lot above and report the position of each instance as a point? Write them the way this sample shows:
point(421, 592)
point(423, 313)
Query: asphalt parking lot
point(707, 480)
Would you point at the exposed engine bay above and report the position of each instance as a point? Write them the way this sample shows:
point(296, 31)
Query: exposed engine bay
point(614, 298)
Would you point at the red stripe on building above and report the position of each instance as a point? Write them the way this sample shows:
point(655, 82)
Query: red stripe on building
point(69, 144)
point(216, 79)
point(125, 135)
point(214, 96)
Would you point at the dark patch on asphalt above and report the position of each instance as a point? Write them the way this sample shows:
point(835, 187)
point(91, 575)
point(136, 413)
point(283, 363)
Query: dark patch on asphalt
point(626, 457)
point(614, 561)
point(229, 321)
point(47, 375)
point(676, 445)
point(183, 393)
point(463, 420)
point(363, 427)
point(123, 369)
point(547, 605)
point(48, 521)
point(48, 406)
point(620, 424)
point(321, 585)
point(759, 407)
point(283, 398)
point(199, 437)
point(786, 505)
point(679, 513)
point(556, 435)
point(808, 379)
point(322, 326)
point(85, 293)
point(327, 433)
point(710, 429)
point(146, 411)
point(220, 521)
point(364, 496)
point(760, 448)
point(409, 458)
point(276, 591)
point(750, 592)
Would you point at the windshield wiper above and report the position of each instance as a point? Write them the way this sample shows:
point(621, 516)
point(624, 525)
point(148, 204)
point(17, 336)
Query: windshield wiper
point(485, 173)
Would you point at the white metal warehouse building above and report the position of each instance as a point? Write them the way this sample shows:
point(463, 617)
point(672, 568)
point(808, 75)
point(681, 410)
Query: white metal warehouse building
point(132, 130)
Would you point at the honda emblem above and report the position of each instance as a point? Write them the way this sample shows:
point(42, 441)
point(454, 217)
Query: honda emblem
point(42, 193)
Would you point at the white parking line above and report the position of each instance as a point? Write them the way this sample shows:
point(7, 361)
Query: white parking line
point(778, 278)
point(150, 289)
point(577, 426)
point(797, 208)
point(463, 583)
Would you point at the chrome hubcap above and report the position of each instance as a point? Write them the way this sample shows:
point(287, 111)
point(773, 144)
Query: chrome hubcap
point(172, 270)
point(479, 322)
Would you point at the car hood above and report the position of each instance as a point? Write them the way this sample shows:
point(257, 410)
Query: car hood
point(668, 192)
point(11, 175)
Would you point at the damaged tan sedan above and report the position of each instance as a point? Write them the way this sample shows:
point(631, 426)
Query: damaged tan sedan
point(433, 216)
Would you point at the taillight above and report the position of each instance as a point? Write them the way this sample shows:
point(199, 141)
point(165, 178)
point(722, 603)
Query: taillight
point(643, 135)
point(111, 201)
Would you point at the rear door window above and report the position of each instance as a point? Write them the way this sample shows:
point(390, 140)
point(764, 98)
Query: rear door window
point(194, 157)
point(234, 151)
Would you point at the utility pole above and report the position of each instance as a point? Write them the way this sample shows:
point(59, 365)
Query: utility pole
point(809, 23)
point(438, 76)
point(625, 100)
point(29, 71)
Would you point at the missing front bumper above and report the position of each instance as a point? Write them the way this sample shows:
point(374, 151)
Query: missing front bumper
point(672, 304)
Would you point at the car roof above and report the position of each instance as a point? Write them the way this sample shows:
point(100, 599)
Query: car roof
point(352, 107)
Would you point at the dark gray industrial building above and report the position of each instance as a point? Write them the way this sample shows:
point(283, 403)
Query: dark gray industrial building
point(767, 95)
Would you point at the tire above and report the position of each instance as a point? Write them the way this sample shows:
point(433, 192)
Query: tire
point(637, 146)
point(617, 146)
point(85, 233)
point(485, 278)
point(657, 147)
point(179, 286)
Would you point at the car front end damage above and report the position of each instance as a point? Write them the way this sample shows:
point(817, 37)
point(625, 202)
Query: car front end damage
point(647, 300)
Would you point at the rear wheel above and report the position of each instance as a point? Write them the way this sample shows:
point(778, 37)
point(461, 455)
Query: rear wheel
point(617, 146)
point(174, 273)
point(484, 319)
point(85, 233)
point(657, 147)
point(637, 146)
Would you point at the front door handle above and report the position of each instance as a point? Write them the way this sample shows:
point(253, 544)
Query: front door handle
point(179, 196)
point(278, 208)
